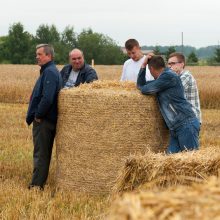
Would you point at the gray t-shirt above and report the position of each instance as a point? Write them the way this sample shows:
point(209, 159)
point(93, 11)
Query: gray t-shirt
point(72, 79)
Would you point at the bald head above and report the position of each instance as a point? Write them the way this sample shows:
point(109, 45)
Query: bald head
point(76, 59)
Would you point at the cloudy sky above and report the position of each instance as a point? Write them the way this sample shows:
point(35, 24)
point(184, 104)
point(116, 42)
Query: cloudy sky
point(151, 22)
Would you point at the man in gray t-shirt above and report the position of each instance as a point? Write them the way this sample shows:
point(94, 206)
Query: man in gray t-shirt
point(77, 71)
point(72, 79)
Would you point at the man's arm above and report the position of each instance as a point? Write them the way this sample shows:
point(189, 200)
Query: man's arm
point(186, 80)
point(48, 95)
point(123, 75)
point(154, 86)
point(91, 75)
point(65, 72)
point(141, 80)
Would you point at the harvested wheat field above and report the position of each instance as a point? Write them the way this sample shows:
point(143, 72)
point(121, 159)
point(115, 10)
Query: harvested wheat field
point(16, 201)
point(99, 125)
point(16, 148)
point(159, 170)
point(199, 201)
point(17, 81)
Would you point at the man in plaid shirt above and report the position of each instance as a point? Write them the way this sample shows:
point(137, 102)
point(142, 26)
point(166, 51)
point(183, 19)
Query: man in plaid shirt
point(176, 62)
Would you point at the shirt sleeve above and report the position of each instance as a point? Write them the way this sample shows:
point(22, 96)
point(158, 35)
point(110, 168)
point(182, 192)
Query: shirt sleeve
point(151, 87)
point(186, 81)
point(123, 75)
point(91, 76)
point(148, 75)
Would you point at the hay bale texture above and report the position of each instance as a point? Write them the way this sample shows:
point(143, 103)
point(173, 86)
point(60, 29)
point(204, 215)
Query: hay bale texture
point(198, 201)
point(159, 170)
point(100, 124)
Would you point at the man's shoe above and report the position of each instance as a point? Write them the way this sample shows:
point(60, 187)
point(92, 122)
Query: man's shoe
point(36, 187)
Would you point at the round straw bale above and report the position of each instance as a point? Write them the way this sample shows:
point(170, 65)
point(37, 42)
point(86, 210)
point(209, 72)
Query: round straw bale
point(100, 124)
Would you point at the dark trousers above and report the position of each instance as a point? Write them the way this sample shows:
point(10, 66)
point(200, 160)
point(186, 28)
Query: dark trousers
point(43, 138)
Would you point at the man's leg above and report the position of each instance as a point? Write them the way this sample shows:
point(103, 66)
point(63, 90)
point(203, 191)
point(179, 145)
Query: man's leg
point(173, 144)
point(188, 135)
point(43, 137)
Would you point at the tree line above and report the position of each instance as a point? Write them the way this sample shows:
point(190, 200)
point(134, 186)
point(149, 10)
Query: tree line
point(18, 47)
point(203, 56)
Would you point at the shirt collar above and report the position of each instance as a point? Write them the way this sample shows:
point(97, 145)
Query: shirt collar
point(43, 67)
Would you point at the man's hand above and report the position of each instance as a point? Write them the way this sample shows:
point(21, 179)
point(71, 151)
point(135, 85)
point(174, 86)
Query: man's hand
point(37, 120)
point(148, 56)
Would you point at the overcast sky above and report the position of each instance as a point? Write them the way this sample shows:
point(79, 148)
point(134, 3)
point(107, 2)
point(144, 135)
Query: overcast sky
point(151, 22)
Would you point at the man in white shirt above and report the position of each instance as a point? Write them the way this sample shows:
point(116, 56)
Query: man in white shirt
point(132, 66)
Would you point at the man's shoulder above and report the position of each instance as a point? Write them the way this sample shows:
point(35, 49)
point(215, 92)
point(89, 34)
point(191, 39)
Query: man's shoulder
point(187, 75)
point(66, 67)
point(169, 75)
point(51, 68)
point(87, 68)
point(170, 72)
point(127, 62)
point(131, 61)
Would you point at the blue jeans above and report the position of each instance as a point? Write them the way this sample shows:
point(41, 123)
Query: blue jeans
point(185, 137)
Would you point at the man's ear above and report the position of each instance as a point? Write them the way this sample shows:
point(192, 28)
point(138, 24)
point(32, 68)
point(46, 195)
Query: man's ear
point(50, 56)
point(183, 64)
point(150, 68)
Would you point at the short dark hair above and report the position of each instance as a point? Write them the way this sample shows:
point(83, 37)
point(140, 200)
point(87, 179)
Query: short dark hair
point(180, 56)
point(131, 43)
point(48, 49)
point(157, 62)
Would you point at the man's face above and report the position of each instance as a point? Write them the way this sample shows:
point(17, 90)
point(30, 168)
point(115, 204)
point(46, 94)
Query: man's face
point(41, 57)
point(175, 65)
point(135, 54)
point(76, 60)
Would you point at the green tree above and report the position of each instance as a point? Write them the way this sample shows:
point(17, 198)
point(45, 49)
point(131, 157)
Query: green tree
point(67, 43)
point(68, 37)
point(17, 45)
point(157, 50)
point(3, 50)
point(192, 59)
point(110, 53)
point(47, 34)
point(100, 48)
point(217, 55)
point(50, 35)
point(170, 50)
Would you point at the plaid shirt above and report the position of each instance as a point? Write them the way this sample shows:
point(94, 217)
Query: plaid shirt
point(191, 92)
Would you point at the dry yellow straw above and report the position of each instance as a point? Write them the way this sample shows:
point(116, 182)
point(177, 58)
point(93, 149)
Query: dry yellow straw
point(160, 170)
point(198, 201)
point(99, 125)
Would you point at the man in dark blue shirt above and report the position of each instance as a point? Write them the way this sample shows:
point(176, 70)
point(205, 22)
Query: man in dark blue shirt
point(42, 112)
point(176, 110)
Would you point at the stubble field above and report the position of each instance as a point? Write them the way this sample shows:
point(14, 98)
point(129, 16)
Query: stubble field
point(16, 201)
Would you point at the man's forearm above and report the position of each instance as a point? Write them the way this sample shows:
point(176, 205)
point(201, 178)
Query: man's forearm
point(141, 80)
